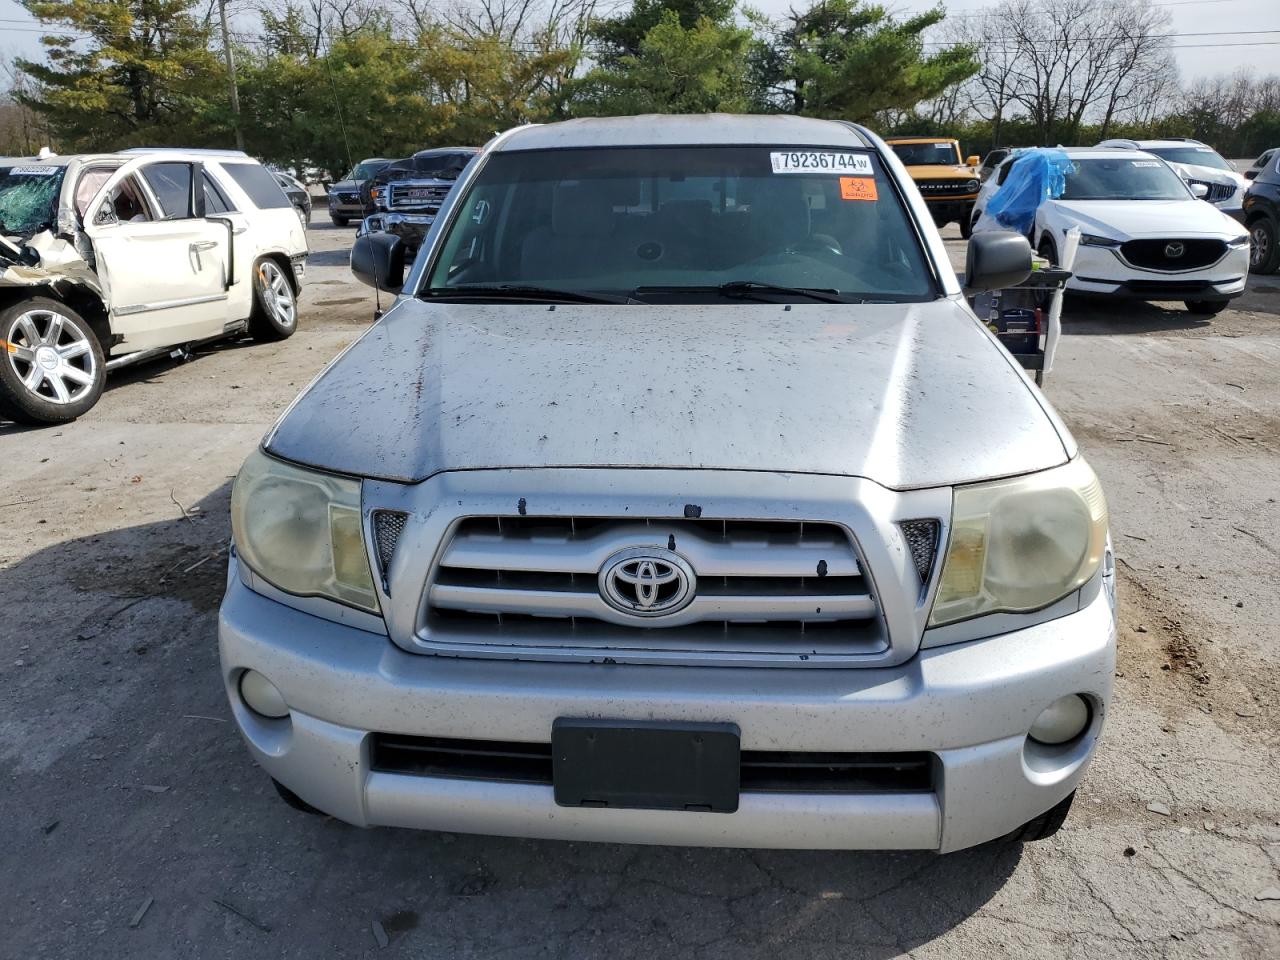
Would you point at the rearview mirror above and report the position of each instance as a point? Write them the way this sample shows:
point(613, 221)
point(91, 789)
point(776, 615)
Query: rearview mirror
point(996, 259)
point(378, 260)
point(1198, 190)
point(974, 161)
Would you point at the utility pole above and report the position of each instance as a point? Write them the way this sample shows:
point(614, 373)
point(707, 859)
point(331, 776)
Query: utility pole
point(231, 74)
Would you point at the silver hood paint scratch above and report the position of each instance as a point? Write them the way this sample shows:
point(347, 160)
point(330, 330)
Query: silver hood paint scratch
point(912, 395)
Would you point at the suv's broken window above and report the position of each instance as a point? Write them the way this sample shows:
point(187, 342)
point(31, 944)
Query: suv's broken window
point(29, 197)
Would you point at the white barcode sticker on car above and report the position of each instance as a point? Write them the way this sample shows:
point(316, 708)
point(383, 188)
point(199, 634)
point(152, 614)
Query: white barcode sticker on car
point(1146, 163)
point(33, 171)
point(821, 161)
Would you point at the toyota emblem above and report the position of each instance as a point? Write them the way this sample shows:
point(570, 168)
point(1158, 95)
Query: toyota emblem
point(647, 582)
point(1174, 250)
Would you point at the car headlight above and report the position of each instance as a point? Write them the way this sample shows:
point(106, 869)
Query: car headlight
point(300, 530)
point(1019, 545)
point(1093, 240)
point(1239, 243)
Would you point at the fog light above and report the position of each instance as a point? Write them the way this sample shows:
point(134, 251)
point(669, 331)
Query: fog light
point(262, 696)
point(1063, 720)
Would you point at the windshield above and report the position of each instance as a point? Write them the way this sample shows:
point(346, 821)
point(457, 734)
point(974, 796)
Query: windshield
point(921, 154)
point(441, 166)
point(29, 197)
point(625, 222)
point(363, 171)
point(1113, 178)
point(1200, 156)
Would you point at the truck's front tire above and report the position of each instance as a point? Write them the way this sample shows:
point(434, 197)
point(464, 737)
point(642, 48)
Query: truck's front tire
point(52, 368)
point(1044, 826)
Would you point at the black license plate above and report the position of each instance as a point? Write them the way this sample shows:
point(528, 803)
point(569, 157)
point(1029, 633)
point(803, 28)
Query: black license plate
point(645, 765)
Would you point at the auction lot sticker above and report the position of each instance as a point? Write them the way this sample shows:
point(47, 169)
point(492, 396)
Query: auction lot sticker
point(821, 161)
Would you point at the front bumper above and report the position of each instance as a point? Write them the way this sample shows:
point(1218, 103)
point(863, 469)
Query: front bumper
point(944, 210)
point(1100, 270)
point(970, 704)
point(409, 227)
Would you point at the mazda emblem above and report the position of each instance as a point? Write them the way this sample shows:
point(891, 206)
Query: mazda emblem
point(647, 581)
point(1174, 250)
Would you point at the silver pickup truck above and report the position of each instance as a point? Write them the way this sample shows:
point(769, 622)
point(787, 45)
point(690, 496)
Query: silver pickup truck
point(680, 498)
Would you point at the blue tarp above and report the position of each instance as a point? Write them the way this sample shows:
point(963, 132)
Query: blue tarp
point(1037, 175)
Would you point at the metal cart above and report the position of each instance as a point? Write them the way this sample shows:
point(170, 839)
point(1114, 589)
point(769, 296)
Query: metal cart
point(1027, 318)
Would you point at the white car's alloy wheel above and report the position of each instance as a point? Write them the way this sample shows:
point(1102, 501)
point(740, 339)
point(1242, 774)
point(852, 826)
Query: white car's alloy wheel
point(52, 356)
point(277, 294)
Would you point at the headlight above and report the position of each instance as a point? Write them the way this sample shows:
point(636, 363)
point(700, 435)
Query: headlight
point(301, 532)
point(1019, 545)
point(1093, 240)
point(1239, 243)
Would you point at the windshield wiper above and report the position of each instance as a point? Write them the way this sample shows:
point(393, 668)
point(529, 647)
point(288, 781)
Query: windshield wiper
point(518, 291)
point(748, 290)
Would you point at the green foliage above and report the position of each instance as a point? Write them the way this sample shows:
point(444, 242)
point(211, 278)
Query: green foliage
point(623, 35)
point(144, 76)
point(676, 69)
point(847, 60)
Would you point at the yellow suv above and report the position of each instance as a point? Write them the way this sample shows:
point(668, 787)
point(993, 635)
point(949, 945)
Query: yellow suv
point(948, 182)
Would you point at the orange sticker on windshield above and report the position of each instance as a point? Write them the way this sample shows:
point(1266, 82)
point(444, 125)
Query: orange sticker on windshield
point(858, 188)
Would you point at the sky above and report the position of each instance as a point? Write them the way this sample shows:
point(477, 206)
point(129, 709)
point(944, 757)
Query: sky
point(1215, 36)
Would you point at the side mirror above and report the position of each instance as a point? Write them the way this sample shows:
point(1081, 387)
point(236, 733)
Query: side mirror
point(974, 161)
point(1198, 190)
point(1251, 174)
point(378, 260)
point(996, 260)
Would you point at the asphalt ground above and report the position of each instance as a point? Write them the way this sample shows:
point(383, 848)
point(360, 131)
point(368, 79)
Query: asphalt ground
point(125, 785)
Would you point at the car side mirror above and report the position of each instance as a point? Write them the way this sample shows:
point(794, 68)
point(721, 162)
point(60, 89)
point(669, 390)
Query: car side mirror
point(378, 260)
point(997, 259)
point(1251, 174)
point(1198, 190)
point(974, 161)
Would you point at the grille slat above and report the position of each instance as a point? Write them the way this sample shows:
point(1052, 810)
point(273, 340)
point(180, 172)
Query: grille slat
point(763, 587)
point(762, 771)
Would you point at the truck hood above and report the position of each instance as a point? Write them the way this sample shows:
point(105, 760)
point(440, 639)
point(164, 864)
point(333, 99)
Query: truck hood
point(345, 186)
point(1126, 219)
point(941, 171)
point(908, 395)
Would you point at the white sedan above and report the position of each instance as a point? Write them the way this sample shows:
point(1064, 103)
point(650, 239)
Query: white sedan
point(1144, 233)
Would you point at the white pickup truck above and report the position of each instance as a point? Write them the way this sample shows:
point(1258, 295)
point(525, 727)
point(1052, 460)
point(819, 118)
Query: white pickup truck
point(107, 259)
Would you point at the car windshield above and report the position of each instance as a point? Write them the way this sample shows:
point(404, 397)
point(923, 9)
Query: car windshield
point(677, 224)
point(363, 171)
point(29, 197)
point(441, 166)
point(922, 154)
point(1127, 178)
point(1200, 156)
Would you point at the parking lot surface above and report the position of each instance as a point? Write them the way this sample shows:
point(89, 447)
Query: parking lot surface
point(135, 824)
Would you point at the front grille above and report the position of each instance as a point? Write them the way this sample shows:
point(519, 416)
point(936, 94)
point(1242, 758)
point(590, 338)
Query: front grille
point(1173, 254)
point(348, 198)
point(1217, 191)
point(404, 195)
point(929, 187)
point(763, 588)
point(387, 527)
point(762, 771)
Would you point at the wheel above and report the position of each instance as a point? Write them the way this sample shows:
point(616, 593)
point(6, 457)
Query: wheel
point(339, 221)
point(1264, 250)
point(1044, 826)
point(966, 225)
point(1206, 308)
point(293, 800)
point(275, 307)
point(53, 369)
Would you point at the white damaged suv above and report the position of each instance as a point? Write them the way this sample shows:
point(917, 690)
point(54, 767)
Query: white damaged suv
point(108, 259)
point(680, 498)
